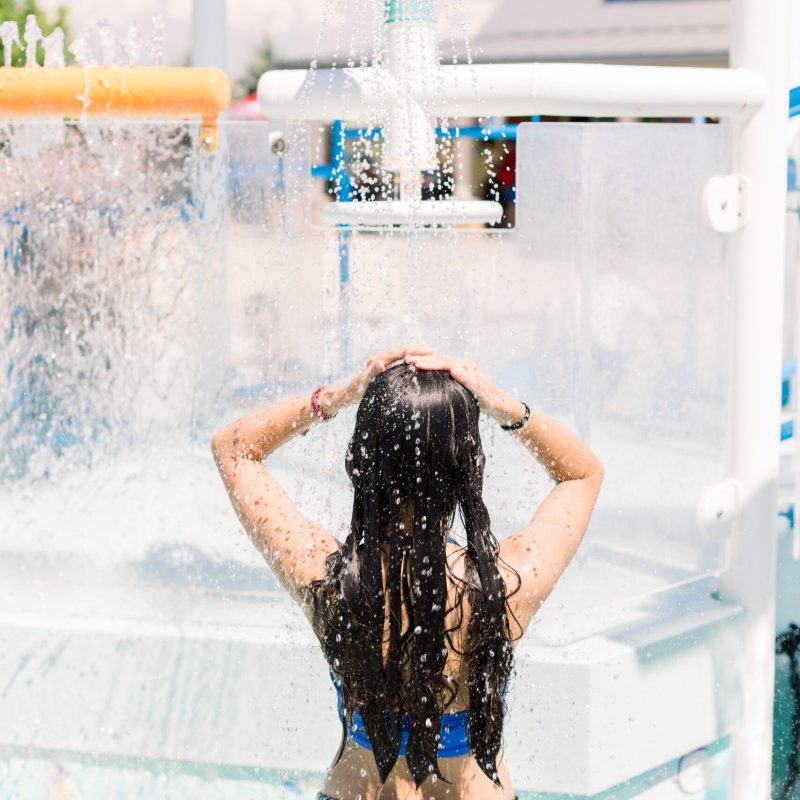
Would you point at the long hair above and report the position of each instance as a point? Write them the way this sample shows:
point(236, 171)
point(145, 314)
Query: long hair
point(415, 445)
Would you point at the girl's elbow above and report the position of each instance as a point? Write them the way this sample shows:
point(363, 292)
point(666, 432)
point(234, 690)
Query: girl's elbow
point(597, 470)
point(219, 445)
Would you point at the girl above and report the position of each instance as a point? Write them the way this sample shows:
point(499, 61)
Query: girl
point(418, 631)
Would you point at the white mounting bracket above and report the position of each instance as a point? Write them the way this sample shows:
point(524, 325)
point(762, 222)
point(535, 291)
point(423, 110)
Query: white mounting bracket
point(718, 508)
point(726, 202)
point(277, 142)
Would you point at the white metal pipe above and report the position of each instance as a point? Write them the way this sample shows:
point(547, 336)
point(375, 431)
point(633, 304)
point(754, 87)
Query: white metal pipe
point(409, 140)
point(594, 90)
point(209, 34)
point(760, 41)
point(357, 93)
point(598, 90)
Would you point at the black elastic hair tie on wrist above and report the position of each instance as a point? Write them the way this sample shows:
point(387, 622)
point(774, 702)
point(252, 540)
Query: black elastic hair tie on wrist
point(517, 425)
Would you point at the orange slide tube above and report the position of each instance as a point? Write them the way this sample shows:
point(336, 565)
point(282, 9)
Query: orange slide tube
point(107, 91)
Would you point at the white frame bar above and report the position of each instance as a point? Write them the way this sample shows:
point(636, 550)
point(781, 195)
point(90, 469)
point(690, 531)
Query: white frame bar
point(593, 90)
point(760, 41)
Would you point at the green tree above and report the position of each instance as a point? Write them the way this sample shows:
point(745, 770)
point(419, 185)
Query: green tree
point(17, 11)
point(262, 60)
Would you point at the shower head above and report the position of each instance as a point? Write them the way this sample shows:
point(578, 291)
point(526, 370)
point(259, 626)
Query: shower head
point(412, 213)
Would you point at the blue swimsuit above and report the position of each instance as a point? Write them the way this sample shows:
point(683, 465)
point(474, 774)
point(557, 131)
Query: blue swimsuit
point(453, 734)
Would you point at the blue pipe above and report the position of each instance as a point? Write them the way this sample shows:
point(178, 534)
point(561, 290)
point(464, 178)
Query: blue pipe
point(794, 101)
point(344, 187)
point(337, 169)
point(482, 132)
point(788, 371)
point(344, 194)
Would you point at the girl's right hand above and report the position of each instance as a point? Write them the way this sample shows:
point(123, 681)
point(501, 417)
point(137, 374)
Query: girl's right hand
point(492, 401)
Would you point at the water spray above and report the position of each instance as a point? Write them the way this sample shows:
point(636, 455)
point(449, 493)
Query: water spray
point(409, 90)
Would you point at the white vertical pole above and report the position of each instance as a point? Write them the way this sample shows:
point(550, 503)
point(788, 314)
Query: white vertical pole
point(209, 34)
point(759, 40)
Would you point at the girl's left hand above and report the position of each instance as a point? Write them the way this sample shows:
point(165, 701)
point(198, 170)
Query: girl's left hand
point(351, 390)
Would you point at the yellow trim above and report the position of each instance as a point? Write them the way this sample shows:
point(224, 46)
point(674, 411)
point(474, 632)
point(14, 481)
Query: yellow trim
point(99, 91)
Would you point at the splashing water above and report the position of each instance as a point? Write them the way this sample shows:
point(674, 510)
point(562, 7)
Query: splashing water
point(81, 50)
point(53, 45)
point(9, 36)
point(132, 46)
point(108, 42)
point(76, 320)
point(126, 51)
point(157, 41)
point(33, 35)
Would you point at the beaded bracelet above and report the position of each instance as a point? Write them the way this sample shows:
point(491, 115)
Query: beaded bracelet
point(517, 425)
point(318, 409)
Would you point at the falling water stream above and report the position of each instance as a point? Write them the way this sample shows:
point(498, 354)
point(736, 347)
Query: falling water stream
point(151, 291)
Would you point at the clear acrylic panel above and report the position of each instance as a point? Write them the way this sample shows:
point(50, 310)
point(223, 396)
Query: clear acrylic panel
point(152, 292)
point(628, 311)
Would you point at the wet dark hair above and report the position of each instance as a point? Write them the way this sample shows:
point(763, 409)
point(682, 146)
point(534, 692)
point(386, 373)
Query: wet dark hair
point(416, 444)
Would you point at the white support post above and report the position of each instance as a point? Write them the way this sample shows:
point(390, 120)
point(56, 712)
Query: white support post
point(209, 34)
point(760, 41)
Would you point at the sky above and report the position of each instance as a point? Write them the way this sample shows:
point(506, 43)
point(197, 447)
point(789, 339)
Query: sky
point(294, 26)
